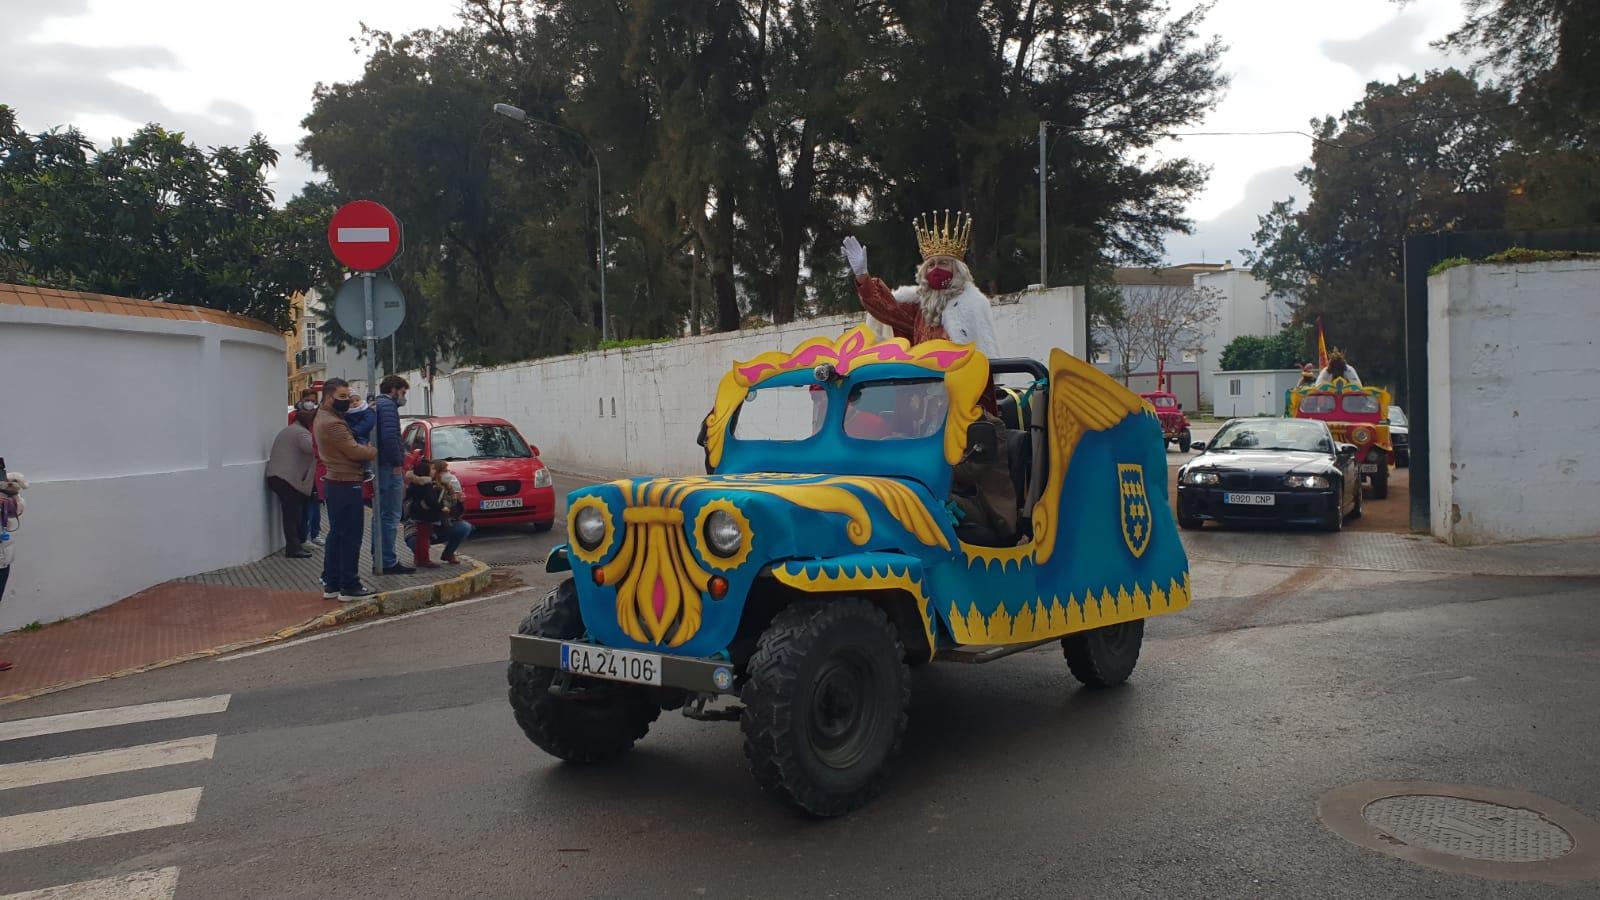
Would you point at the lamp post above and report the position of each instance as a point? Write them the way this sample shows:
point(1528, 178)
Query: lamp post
point(517, 114)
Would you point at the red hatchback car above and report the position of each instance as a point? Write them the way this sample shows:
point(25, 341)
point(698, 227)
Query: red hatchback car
point(501, 474)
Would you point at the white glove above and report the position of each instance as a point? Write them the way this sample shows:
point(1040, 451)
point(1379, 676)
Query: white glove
point(856, 255)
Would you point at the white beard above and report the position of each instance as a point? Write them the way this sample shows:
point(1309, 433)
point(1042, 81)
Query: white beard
point(933, 302)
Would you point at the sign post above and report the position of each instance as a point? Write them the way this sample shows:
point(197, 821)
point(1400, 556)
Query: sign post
point(365, 236)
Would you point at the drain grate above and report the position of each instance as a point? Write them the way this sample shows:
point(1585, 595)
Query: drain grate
point(1471, 829)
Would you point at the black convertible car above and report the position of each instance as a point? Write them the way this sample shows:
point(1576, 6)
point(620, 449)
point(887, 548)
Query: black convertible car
point(1271, 470)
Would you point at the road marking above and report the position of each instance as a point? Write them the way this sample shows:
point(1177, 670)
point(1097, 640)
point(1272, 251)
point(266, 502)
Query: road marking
point(118, 715)
point(363, 235)
point(92, 820)
point(387, 620)
point(107, 762)
point(157, 884)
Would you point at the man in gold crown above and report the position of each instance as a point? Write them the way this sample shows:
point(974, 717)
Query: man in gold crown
point(944, 303)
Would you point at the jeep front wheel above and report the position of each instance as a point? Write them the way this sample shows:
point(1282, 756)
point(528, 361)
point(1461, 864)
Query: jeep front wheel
point(589, 720)
point(1185, 440)
point(1380, 484)
point(825, 704)
point(1104, 657)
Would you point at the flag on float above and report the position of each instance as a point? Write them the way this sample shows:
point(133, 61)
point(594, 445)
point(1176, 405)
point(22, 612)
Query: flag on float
point(1322, 346)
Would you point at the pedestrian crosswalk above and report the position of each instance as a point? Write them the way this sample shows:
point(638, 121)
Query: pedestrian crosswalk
point(123, 815)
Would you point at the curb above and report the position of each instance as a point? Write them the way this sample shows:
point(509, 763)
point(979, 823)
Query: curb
point(386, 603)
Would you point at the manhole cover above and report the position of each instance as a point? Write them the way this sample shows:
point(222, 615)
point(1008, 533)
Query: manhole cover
point(1461, 828)
point(1469, 828)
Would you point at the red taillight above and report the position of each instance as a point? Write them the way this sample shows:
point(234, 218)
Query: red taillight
point(599, 578)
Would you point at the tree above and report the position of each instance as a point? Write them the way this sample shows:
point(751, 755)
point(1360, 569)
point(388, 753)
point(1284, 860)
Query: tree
point(1418, 155)
point(153, 217)
point(1125, 335)
point(1284, 350)
point(1175, 318)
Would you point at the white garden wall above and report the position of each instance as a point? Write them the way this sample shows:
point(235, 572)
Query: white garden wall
point(144, 441)
point(639, 409)
point(1514, 415)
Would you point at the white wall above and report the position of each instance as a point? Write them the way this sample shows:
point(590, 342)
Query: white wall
point(1261, 392)
point(639, 409)
point(144, 441)
point(1513, 418)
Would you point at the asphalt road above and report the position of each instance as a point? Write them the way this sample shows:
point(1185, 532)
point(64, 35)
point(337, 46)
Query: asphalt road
point(383, 761)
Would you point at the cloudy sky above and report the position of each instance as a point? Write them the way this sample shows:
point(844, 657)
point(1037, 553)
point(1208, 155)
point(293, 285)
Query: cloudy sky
point(108, 66)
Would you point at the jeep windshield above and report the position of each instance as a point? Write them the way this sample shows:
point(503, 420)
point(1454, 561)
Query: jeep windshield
point(787, 413)
point(900, 409)
point(479, 442)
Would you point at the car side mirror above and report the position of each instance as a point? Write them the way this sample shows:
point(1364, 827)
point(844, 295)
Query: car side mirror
point(1197, 445)
point(535, 449)
point(1180, 407)
point(1346, 449)
point(983, 442)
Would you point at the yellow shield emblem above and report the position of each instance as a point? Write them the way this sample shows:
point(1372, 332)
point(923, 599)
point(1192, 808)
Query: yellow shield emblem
point(1135, 503)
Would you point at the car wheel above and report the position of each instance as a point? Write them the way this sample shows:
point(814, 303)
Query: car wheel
point(1380, 485)
point(1104, 657)
point(1402, 460)
point(544, 526)
point(600, 721)
point(1184, 440)
point(1333, 520)
point(1356, 510)
point(825, 704)
point(1188, 522)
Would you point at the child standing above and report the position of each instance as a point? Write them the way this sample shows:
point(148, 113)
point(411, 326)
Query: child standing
point(11, 508)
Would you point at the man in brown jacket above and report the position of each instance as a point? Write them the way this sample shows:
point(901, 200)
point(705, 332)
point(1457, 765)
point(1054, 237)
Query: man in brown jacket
point(341, 490)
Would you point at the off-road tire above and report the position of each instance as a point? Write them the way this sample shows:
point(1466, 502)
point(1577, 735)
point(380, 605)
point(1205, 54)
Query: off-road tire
point(827, 643)
point(586, 730)
point(1184, 440)
point(1380, 486)
point(1104, 657)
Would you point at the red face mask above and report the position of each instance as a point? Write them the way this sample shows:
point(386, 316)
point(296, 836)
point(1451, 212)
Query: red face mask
point(939, 279)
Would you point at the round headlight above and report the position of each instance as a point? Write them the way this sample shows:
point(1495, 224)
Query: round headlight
point(590, 527)
point(723, 533)
point(1361, 435)
point(1315, 482)
point(1203, 478)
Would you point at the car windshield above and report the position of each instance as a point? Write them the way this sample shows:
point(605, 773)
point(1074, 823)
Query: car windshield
point(1397, 416)
point(896, 410)
point(1317, 403)
point(1365, 404)
point(479, 442)
point(788, 413)
point(1164, 402)
point(1273, 434)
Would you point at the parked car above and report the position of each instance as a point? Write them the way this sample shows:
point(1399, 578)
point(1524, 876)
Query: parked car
point(501, 474)
point(1174, 424)
point(1400, 436)
point(819, 558)
point(1289, 471)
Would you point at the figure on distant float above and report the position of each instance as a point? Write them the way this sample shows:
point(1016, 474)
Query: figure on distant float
point(1338, 367)
point(944, 303)
point(1308, 374)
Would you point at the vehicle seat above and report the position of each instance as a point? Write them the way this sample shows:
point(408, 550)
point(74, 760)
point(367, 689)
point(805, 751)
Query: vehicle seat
point(1007, 407)
point(1019, 452)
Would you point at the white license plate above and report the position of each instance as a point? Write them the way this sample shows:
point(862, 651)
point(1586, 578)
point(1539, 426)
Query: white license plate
point(614, 665)
point(507, 503)
point(1250, 499)
point(1367, 468)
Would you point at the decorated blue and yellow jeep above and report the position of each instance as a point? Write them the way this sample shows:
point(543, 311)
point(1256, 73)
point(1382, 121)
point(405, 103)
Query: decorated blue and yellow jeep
point(823, 553)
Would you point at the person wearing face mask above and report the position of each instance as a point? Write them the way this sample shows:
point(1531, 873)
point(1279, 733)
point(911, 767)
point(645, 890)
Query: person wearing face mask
point(341, 490)
point(944, 303)
point(391, 467)
point(311, 518)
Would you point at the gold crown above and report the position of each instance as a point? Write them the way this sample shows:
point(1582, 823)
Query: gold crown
point(946, 236)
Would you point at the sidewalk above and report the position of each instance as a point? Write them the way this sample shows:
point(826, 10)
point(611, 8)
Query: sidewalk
point(212, 613)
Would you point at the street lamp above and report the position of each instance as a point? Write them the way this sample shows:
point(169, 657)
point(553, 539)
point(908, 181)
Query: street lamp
point(517, 114)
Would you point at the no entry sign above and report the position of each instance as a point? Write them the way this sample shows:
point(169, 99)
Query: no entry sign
point(364, 235)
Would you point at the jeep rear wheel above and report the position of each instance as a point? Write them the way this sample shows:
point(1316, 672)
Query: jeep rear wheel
point(1184, 440)
point(825, 704)
point(592, 720)
point(1104, 657)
